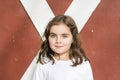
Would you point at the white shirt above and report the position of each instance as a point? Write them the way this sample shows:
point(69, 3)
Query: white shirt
point(62, 70)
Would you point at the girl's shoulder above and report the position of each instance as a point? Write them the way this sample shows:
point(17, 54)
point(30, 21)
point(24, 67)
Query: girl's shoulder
point(86, 66)
point(44, 66)
point(47, 62)
point(85, 63)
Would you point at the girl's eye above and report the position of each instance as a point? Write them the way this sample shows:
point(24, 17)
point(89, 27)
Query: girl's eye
point(52, 36)
point(64, 36)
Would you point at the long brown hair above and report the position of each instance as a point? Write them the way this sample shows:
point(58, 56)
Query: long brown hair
point(77, 54)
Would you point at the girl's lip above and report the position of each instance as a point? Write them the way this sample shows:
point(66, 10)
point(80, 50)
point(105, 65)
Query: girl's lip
point(58, 46)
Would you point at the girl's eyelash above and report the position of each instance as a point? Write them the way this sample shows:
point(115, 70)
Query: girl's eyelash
point(52, 35)
point(65, 36)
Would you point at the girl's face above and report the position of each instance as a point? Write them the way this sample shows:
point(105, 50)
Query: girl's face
point(60, 40)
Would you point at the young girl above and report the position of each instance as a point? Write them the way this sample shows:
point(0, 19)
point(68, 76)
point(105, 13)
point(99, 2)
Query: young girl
point(61, 56)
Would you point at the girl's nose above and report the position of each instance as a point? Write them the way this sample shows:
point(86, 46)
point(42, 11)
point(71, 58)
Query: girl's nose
point(58, 40)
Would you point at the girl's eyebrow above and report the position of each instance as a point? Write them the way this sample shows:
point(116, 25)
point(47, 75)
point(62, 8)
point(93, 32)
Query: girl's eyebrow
point(61, 34)
point(52, 33)
point(65, 34)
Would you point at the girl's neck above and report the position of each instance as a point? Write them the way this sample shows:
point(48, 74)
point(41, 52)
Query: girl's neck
point(62, 57)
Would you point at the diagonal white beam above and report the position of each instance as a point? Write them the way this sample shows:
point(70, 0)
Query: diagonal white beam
point(39, 12)
point(81, 11)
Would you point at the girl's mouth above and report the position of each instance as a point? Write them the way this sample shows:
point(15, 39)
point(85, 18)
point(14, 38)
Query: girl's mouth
point(58, 46)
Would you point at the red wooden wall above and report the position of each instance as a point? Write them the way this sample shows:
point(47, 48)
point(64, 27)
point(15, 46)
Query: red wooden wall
point(101, 40)
point(20, 41)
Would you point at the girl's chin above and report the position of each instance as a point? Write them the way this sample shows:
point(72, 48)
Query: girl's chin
point(59, 53)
